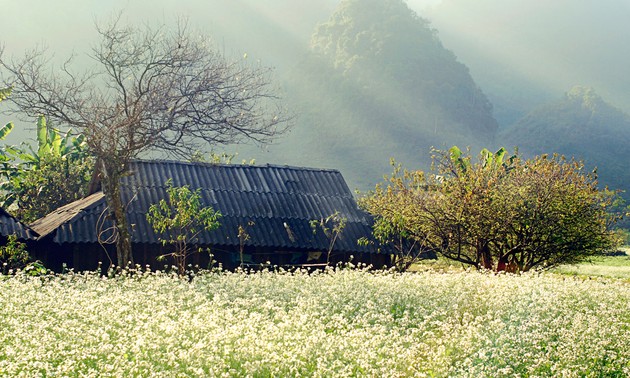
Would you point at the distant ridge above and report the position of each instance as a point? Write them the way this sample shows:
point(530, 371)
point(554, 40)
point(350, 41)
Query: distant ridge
point(580, 125)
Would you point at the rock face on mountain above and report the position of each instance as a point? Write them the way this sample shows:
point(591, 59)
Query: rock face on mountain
point(581, 125)
point(377, 84)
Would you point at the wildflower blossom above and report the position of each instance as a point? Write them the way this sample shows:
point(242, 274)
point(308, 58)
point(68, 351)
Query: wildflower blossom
point(335, 323)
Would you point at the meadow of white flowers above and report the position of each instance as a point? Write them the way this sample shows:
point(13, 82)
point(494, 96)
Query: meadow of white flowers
point(338, 323)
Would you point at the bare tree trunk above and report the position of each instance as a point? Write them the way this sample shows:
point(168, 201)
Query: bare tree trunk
point(111, 176)
point(502, 264)
point(484, 256)
point(123, 241)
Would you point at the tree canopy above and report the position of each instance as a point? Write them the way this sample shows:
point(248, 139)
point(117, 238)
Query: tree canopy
point(500, 212)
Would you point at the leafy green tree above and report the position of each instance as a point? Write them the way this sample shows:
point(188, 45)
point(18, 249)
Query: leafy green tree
point(179, 220)
point(500, 213)
point(37, 181)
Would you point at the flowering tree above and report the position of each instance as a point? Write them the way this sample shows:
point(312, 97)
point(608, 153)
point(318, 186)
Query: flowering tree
point(497, 213)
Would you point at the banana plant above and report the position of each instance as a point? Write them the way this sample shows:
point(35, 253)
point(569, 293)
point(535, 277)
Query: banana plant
point(4, 93)
point(461, 162)
point(488, 159)
point(16, 161)
point(49, 142)
point(6, 129)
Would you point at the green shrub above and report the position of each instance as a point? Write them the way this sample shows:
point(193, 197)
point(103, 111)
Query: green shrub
point(13, 255)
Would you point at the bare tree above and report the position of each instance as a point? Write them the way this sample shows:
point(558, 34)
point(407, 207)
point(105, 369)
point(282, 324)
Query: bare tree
point(150, 89)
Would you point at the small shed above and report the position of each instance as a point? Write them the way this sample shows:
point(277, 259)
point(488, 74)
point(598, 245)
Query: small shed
point(275, 206)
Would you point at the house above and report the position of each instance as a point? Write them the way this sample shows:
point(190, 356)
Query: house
point(274, 207)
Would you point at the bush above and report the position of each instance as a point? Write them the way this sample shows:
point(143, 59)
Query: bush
point(179, 220)
point(13, 255)
point(34, 181)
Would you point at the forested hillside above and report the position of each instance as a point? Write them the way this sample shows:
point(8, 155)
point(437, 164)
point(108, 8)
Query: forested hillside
point(581, 124)
point(377, 84)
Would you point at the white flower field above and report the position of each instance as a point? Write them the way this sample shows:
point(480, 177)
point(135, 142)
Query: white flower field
point(330, 324)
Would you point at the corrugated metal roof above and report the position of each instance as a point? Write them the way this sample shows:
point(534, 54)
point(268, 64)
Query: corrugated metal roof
point(9, 225)
point(278, 201)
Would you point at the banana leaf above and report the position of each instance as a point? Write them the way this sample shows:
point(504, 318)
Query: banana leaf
point(42, 136)
point(6, 130)
point(4, 93)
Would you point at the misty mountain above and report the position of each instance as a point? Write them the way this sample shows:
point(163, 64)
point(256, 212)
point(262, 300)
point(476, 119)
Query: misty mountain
point(526, 53)
point(377, 84)
point(581, 125)
point(379, 81)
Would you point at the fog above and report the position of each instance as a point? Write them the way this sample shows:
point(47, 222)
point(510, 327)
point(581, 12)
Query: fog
point(274, 33)
point(520, 53)
point(523, 53)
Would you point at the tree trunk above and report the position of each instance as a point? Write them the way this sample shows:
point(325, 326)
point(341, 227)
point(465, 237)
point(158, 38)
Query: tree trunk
point(484, 257)
point(110, 178)
point(502, 264)
point(123, 241)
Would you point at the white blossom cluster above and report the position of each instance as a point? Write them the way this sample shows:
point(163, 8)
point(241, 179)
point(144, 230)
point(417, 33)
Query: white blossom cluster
point(341, 323)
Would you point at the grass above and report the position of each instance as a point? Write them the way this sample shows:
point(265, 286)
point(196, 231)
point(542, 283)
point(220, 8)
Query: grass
point(337, 323)
point(602, 266)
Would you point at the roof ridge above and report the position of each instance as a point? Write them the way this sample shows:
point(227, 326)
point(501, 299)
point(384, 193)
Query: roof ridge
point(223, 165)
point(317, 194)
point(28, 230)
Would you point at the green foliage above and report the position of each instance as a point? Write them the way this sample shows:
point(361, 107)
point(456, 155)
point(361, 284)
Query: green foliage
point(13, 255)
point(496, 213)
point(4, 93)
point(38, 181)
point(600, 266)
point(35, 268)
point(6, 129)
point(332, 226)
point(180, 219)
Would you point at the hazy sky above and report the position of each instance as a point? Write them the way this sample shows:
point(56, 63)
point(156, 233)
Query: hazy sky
point(273, 31)
point(69, 24)
point(550, 44)
point(521, 53)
